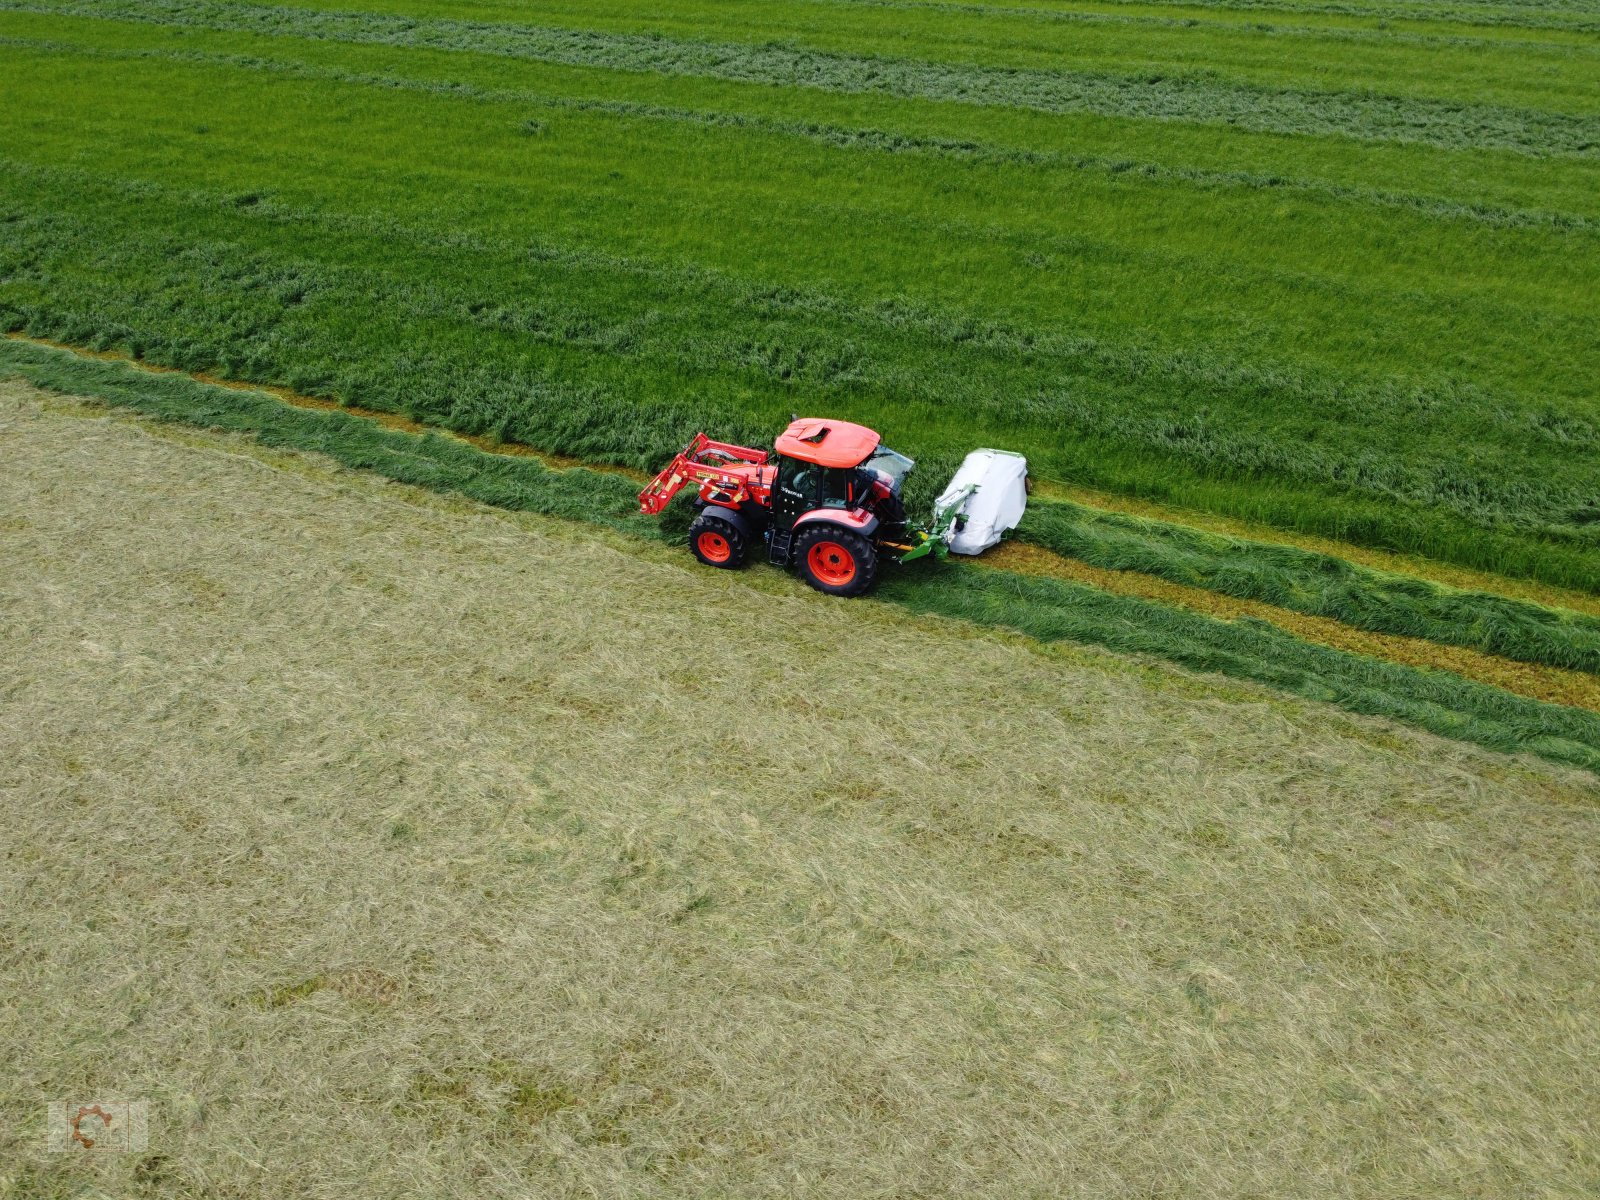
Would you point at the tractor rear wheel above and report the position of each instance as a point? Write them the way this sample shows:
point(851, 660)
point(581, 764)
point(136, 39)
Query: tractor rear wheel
point(717, 542)
point(836, 560)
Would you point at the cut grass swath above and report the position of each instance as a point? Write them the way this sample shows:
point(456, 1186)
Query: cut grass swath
point(887, 141)
point(1552, 685)
point(1316, 584)
point(1470, 179)
point(1369, 116)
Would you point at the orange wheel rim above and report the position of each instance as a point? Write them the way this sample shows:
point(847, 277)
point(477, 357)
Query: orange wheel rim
point(715, 547)
point(832, 563)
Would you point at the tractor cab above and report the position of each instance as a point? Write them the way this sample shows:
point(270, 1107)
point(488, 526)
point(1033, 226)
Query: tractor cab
point(835, 476)
point(834, 464)
point(817, 469)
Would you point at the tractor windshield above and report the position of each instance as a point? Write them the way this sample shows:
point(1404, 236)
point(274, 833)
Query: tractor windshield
point(895, 466)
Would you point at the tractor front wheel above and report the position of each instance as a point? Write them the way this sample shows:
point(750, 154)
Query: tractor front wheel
point(836, 560)
point(717, 542)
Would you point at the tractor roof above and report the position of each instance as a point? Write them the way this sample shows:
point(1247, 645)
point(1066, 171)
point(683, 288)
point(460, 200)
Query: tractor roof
point(827, 443)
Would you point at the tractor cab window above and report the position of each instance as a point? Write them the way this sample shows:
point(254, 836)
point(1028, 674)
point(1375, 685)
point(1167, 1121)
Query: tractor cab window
point(806, 485)
point(799, 480)
point(837, 488)
point(888, 462)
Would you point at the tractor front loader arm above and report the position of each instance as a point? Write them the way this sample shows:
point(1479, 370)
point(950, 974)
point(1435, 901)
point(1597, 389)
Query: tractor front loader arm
point(710, 466)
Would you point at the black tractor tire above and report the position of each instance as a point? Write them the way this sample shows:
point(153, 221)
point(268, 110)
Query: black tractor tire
point(717, 542)
point(836, 560)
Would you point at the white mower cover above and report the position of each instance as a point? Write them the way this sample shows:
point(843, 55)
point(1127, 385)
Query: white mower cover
point(988, 496)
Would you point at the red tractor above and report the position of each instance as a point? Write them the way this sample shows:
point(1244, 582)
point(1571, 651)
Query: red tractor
point(830, 503)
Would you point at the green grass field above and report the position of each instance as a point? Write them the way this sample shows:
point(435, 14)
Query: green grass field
point(1330, 266)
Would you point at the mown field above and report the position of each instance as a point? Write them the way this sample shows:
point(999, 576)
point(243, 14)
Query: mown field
point(1331, 267)
point(391, 844)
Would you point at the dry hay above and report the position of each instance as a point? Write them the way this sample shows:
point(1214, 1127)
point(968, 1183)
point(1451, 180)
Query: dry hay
point(390, 845)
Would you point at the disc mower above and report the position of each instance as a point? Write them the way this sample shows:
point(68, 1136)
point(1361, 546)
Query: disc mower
point(828, 503)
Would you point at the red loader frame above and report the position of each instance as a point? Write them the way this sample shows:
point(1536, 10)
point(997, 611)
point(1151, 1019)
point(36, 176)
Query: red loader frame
point(726, 474)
